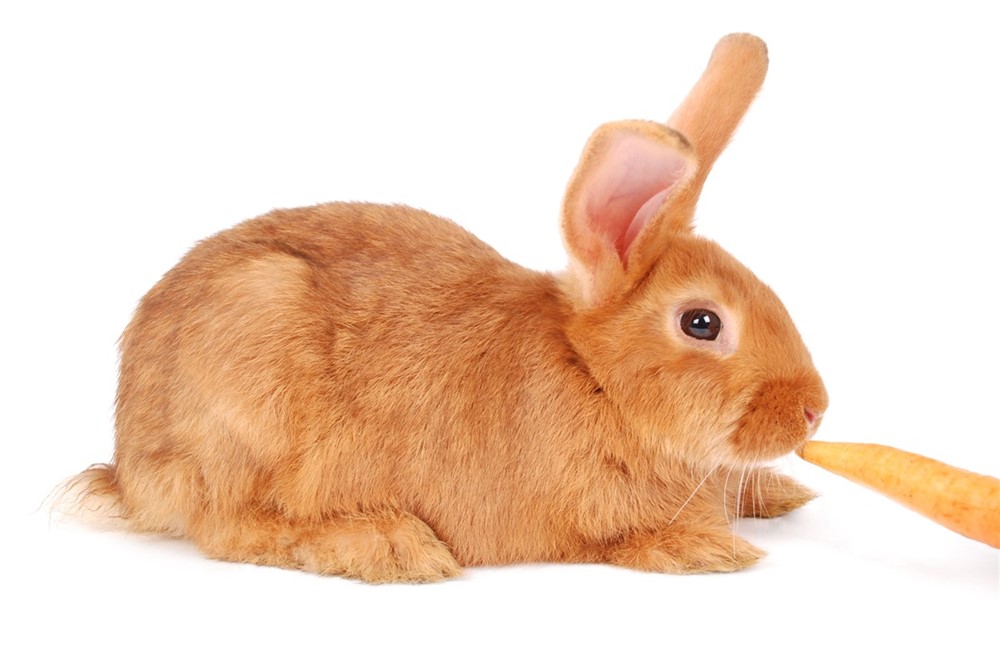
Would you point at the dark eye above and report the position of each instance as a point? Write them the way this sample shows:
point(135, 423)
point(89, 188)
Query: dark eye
point(701, 324)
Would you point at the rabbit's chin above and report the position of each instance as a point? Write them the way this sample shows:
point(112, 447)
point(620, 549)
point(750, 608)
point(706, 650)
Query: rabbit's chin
point(779, 419)
point(730, 452)
point(759, 453)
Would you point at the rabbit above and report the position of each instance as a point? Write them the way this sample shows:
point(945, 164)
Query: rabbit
point(372, 392)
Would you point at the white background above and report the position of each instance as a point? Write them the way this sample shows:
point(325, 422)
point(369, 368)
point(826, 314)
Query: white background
point(862, 187)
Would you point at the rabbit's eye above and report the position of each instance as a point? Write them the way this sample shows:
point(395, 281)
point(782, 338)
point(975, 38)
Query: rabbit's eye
point(701, 324)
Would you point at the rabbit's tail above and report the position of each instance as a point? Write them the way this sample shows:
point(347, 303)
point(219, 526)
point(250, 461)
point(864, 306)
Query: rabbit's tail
point(92, 497)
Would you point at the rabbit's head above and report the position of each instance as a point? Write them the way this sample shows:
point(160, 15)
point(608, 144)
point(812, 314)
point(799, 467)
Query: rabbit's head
point(697, 354)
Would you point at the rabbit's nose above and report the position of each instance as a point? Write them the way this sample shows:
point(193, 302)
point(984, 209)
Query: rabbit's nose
point(812, 415)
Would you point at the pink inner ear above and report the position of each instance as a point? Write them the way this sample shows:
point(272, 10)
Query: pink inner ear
point(633, 180)
point(640, 220)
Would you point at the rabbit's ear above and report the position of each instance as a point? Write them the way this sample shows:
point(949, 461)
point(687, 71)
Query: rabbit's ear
point(618, 204)
point(713, 109)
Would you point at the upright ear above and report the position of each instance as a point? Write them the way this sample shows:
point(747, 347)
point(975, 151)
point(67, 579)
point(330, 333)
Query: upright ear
point(713, 109)
point(627, 173)
point(638, 181)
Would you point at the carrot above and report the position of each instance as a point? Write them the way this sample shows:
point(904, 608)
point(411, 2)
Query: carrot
point(962, 501)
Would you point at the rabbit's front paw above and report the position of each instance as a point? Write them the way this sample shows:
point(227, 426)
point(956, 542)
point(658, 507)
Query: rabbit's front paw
point(683, 550)
point(766, 493)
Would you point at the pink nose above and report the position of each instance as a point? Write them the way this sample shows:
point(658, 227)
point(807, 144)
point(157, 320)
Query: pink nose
point(811, 416)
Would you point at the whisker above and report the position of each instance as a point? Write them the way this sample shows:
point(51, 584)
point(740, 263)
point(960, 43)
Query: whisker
point(691, 496)
point(763, 498)
point(739, 505)
point(758, 492)
point(763, 484)
point(725, 497)
point(739, 494)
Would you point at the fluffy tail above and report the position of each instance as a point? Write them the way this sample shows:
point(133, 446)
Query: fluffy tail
point(92, 497)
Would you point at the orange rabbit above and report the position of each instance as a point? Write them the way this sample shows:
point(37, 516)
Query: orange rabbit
point(371, 391)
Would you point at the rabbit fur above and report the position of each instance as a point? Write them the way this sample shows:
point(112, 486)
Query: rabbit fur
point(371, 391)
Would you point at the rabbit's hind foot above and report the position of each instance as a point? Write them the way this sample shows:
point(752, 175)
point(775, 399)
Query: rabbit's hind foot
point(378, 547)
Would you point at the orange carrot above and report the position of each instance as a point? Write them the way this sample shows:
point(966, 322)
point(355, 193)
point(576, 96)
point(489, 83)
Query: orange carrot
point(962, 501)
